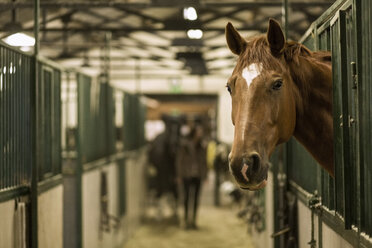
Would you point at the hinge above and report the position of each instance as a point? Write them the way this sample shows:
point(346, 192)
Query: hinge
point(314, 203)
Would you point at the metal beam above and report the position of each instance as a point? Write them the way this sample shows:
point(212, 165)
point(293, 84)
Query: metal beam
point(138, 13)
point(219, 15)
point(120, 4)
point(89, 29)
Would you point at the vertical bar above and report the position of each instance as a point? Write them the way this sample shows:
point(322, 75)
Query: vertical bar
point(7, 111)
point(285, 17)
point(346, 134)
point(357, 24)
point(14, 124)
point(2, 120)
point(22, 113)
point(11, 120)
point(33, 123)
point(79, 212)
point(2, 110)
point(18, 121)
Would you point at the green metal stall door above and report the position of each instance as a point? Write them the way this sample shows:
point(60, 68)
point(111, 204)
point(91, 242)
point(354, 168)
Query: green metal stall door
point(96, 119)
point(134, 118)
point(365, 111)
point(49, 121)
point(15, 132)
point(345, 30)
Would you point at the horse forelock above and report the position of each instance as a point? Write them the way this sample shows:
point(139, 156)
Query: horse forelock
point(258, 51)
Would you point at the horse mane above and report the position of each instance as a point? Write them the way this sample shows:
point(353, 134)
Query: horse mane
point(259, 51)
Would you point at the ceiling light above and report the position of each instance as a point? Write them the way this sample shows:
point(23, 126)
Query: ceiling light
point(189, 13)
point(20, 40)
point(25, 48)
point(195, 33)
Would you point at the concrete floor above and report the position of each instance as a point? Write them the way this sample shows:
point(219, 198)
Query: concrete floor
point(218, 228)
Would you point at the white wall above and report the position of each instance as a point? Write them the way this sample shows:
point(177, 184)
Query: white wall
point(225, 128)
point(7, 224)
point(188, 84)
point(135, 190)
point(330, 238)
point(304, 225)
point(50, 218)
point(91, 205)
point(263, 239)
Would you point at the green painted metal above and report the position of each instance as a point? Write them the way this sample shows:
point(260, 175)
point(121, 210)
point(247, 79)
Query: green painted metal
point(364, 67)
point(96, 119)
point(49, 120)
point(346, 30)
point(15, 116)
point(134, 118)
point(122, 186)
point(34, 95)
point(30, 127)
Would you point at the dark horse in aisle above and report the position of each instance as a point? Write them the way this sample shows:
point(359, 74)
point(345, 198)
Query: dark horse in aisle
point(162, 155)
point(279, 89)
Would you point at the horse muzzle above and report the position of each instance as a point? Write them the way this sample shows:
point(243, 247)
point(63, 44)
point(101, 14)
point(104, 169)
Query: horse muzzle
point(249, 172)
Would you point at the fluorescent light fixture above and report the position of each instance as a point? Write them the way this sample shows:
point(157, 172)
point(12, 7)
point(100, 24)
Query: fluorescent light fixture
point(25, 48)
point(195, 33)
point(189, 13)
point(20, 40)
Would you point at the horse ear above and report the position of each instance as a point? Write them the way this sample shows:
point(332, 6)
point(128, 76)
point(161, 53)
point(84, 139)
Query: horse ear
point(275, 37)
point(235, 42)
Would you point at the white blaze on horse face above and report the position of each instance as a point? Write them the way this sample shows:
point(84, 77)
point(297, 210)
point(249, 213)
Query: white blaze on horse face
point(251, 72)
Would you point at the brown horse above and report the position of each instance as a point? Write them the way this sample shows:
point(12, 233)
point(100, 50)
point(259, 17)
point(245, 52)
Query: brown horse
point(278, 89)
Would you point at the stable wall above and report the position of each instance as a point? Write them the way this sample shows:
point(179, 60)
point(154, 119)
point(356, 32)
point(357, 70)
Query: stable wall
point(50, 218)
point(7, 226)
point(263, 239)
point(329, 237)
point(93, 235)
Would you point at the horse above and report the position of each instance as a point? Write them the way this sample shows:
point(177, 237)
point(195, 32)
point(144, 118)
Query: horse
point(162, 155)
point(279, 89)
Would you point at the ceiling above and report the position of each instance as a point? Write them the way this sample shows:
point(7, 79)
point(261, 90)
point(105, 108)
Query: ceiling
point(147, 38)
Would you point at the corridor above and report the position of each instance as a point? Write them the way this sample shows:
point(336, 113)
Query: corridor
point(218, 228)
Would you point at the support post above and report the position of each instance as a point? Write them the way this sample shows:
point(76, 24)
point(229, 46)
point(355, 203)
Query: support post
point(34, 135)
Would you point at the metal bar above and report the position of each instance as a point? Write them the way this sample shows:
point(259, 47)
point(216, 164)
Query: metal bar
point(346, 132)
point(18, 147)
point(358, 38)
point(2, 122)
point(79, 166)
point(88, 29)
point(7, 118)
point(285, 18)
point(34, 135)
point(138, 13)
point(223, 15)
point(118, 4)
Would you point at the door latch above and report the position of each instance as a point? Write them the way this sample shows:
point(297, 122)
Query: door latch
point(354, 74)
point(351, 121)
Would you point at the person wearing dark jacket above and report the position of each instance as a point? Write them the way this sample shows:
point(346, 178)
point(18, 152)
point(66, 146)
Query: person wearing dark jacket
point(192, 170)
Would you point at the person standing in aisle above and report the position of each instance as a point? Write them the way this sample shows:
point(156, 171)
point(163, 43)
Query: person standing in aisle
point(191, 170)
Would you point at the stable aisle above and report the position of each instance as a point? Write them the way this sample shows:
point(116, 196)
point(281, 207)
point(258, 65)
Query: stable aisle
point(218, 228)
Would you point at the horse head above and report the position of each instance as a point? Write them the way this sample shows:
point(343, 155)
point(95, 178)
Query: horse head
point(263, 103)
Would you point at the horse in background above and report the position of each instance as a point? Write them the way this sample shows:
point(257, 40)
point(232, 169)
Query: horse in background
point(278, 89)
point(162, 155)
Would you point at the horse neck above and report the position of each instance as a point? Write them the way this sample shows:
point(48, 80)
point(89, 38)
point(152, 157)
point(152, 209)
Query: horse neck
point(314, 122)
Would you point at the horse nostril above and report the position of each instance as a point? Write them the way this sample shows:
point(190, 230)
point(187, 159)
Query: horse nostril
point(255, 162)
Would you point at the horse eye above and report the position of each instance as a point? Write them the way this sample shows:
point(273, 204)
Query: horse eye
point(228, 88)
point(277, 84)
